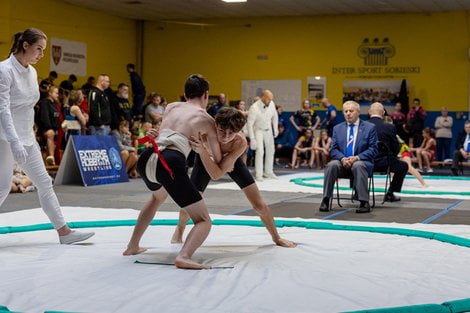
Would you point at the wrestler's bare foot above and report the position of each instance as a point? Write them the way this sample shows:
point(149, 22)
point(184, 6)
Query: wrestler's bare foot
point(177, 236)
point(134, 250)
point(189, 264)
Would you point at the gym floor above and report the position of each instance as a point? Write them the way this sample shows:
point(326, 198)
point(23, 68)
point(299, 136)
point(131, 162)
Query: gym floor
point(283, 203)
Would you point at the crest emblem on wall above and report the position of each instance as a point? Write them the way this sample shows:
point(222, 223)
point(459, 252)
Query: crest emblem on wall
point(375, 52)
point(56, 54)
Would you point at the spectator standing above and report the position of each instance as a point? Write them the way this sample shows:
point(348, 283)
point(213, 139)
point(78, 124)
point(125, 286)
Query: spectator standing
point(100, 108)
point(88, 86)
point(306, 118)
point(281, 120)
point(66, 86)
point(221, 102)
point(46, 83)
point(331, 116)
point(443, 127)
point(120, 106)
point(138, 90)
point(399, 120)
point(415, 123)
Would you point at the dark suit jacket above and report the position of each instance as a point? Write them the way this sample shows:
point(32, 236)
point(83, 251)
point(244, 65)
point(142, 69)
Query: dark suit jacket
point(365, 147)
point(461, 140)
point(387, 134)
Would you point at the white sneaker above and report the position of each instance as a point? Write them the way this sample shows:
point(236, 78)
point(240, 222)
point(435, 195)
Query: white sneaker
point(259, 178)
point(75, 236)
point(429, 170)
point(270, 176)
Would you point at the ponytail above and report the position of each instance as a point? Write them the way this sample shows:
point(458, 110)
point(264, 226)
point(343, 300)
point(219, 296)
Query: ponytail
point(30, 35)
point(16, 40)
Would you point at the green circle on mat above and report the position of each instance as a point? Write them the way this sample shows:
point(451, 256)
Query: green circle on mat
point(304, 182)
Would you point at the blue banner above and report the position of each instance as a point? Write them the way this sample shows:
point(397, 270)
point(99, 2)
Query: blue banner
point(99, 160)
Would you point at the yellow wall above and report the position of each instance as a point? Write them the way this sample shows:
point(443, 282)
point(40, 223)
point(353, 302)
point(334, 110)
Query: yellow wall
point(298, 47)
point(110, 40)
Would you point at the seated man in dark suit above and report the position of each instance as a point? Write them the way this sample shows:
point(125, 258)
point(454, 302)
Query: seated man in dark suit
point(387, 134)
point(462, 153)
point(353, 151)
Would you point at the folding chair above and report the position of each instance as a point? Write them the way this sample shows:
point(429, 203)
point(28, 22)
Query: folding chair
point(384, 149)
point(350, 177)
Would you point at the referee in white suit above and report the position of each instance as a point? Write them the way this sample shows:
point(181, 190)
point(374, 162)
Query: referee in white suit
point(262, 122)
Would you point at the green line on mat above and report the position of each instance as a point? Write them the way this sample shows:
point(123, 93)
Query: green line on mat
point(456, 306)
point(303, 182)
point(460, 241)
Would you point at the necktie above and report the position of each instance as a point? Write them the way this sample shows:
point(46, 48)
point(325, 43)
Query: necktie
point(349, 147)
point(468, 143)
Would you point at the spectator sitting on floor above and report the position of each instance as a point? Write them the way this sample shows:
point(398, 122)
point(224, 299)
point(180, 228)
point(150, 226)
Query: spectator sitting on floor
point(462, 153)
point(303, 149)
point(128, 153)
point(426, 152)
point(321, 148)
point(20, 182)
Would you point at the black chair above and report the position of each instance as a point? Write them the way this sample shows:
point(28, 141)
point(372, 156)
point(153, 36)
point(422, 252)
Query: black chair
point(350, 177)
point(384, 149)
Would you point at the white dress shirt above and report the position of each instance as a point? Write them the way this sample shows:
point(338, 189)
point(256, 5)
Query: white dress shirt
point(261, 116)
point(19, 92)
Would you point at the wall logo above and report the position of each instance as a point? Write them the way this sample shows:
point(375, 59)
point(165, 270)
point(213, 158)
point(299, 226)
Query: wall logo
point(375, 52)
point(115, 158)
point(56, 54)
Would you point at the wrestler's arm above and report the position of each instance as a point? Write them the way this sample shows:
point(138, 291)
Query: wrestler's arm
point(217, 170)
point(212, 141)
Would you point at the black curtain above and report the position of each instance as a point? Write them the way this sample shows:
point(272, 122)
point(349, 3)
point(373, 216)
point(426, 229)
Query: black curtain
point(403, 97)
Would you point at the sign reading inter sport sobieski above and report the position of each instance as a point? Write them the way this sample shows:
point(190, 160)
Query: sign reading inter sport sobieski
point(375, 55)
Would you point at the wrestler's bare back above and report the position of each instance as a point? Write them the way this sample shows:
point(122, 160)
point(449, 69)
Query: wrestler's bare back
point(190, 120)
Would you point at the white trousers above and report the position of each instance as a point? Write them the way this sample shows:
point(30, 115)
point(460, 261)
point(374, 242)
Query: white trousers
point(264, 148)
point(36, 171)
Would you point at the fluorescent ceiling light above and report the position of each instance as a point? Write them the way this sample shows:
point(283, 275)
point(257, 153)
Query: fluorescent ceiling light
point(233, 1)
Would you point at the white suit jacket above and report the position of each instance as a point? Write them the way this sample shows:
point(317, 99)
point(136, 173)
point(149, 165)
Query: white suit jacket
point(19, 92)
point(262, 117)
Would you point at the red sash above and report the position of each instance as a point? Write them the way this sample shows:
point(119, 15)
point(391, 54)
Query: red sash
point(146, 139)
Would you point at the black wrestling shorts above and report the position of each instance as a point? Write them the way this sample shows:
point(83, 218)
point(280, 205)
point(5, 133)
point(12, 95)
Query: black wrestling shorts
point(240, 174)
point(180, 188)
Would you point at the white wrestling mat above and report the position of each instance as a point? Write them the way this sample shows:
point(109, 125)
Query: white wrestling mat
point(447, 187)
point(330, 270)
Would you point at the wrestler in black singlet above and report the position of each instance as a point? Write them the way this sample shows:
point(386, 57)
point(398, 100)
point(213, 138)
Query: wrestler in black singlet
point(240, 174)
point(180, 188)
